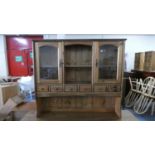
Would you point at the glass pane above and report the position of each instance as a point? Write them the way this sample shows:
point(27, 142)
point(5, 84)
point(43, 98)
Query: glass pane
point(48, 62)
point(108, 62)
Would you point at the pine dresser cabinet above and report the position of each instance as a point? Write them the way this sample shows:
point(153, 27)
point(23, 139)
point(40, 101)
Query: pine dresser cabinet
point(79, 76)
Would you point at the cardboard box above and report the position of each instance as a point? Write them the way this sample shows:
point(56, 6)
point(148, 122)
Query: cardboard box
point(8, 90)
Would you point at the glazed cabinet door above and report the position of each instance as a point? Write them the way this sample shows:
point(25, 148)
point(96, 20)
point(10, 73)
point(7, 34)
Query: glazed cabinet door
point(49, 62)
point(108, 62)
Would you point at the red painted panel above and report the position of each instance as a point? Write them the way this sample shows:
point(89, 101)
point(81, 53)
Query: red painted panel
point(18, 63)
point(20, 47)
point(21, 42)
point(29, 57)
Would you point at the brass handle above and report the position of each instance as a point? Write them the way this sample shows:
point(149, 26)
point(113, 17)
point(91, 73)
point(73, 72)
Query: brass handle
point(61, 63)
point(96, 63)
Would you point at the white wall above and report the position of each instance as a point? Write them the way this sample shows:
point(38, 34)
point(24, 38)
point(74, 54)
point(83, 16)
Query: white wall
point(3, 57)
point(134, 43)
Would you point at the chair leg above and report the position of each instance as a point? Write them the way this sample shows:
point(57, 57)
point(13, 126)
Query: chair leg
point(153, 108)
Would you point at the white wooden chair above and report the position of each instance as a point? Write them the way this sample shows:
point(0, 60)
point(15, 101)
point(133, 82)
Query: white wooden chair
point(134, 93)
point(147, 97)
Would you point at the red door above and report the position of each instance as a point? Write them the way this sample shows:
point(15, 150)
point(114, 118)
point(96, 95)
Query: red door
point(20, 56)
point(18, 63)
point(29, 57)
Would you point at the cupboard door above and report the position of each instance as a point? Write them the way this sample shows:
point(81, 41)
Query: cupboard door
point(109, 62)
point(49, 62)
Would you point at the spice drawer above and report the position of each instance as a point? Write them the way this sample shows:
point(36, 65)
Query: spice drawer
point(107, 88)
point(85, 88)
point(43, 88)
point(56, 88)
point(70, 88)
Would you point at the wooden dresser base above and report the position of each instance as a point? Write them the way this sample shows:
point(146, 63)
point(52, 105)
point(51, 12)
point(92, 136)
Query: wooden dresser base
point(91, 106)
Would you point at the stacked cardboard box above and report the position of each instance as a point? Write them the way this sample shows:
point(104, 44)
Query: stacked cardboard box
point(8, 90)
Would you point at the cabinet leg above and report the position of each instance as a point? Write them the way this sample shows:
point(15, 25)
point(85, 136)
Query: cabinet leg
point(39, 107)
point(118, 106)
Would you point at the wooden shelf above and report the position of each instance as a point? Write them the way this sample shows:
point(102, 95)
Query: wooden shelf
point(50, 94)
point(83, 110)
point(78, 66)
point(77, 82)
point(107, 65)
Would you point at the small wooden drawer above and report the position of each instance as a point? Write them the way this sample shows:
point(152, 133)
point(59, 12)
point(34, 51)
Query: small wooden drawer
point(43, 88)
point(100, 88)
point(114, 88)
point(107, 88)
point(56, 88)
point(70, 88)
point(85, 88)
